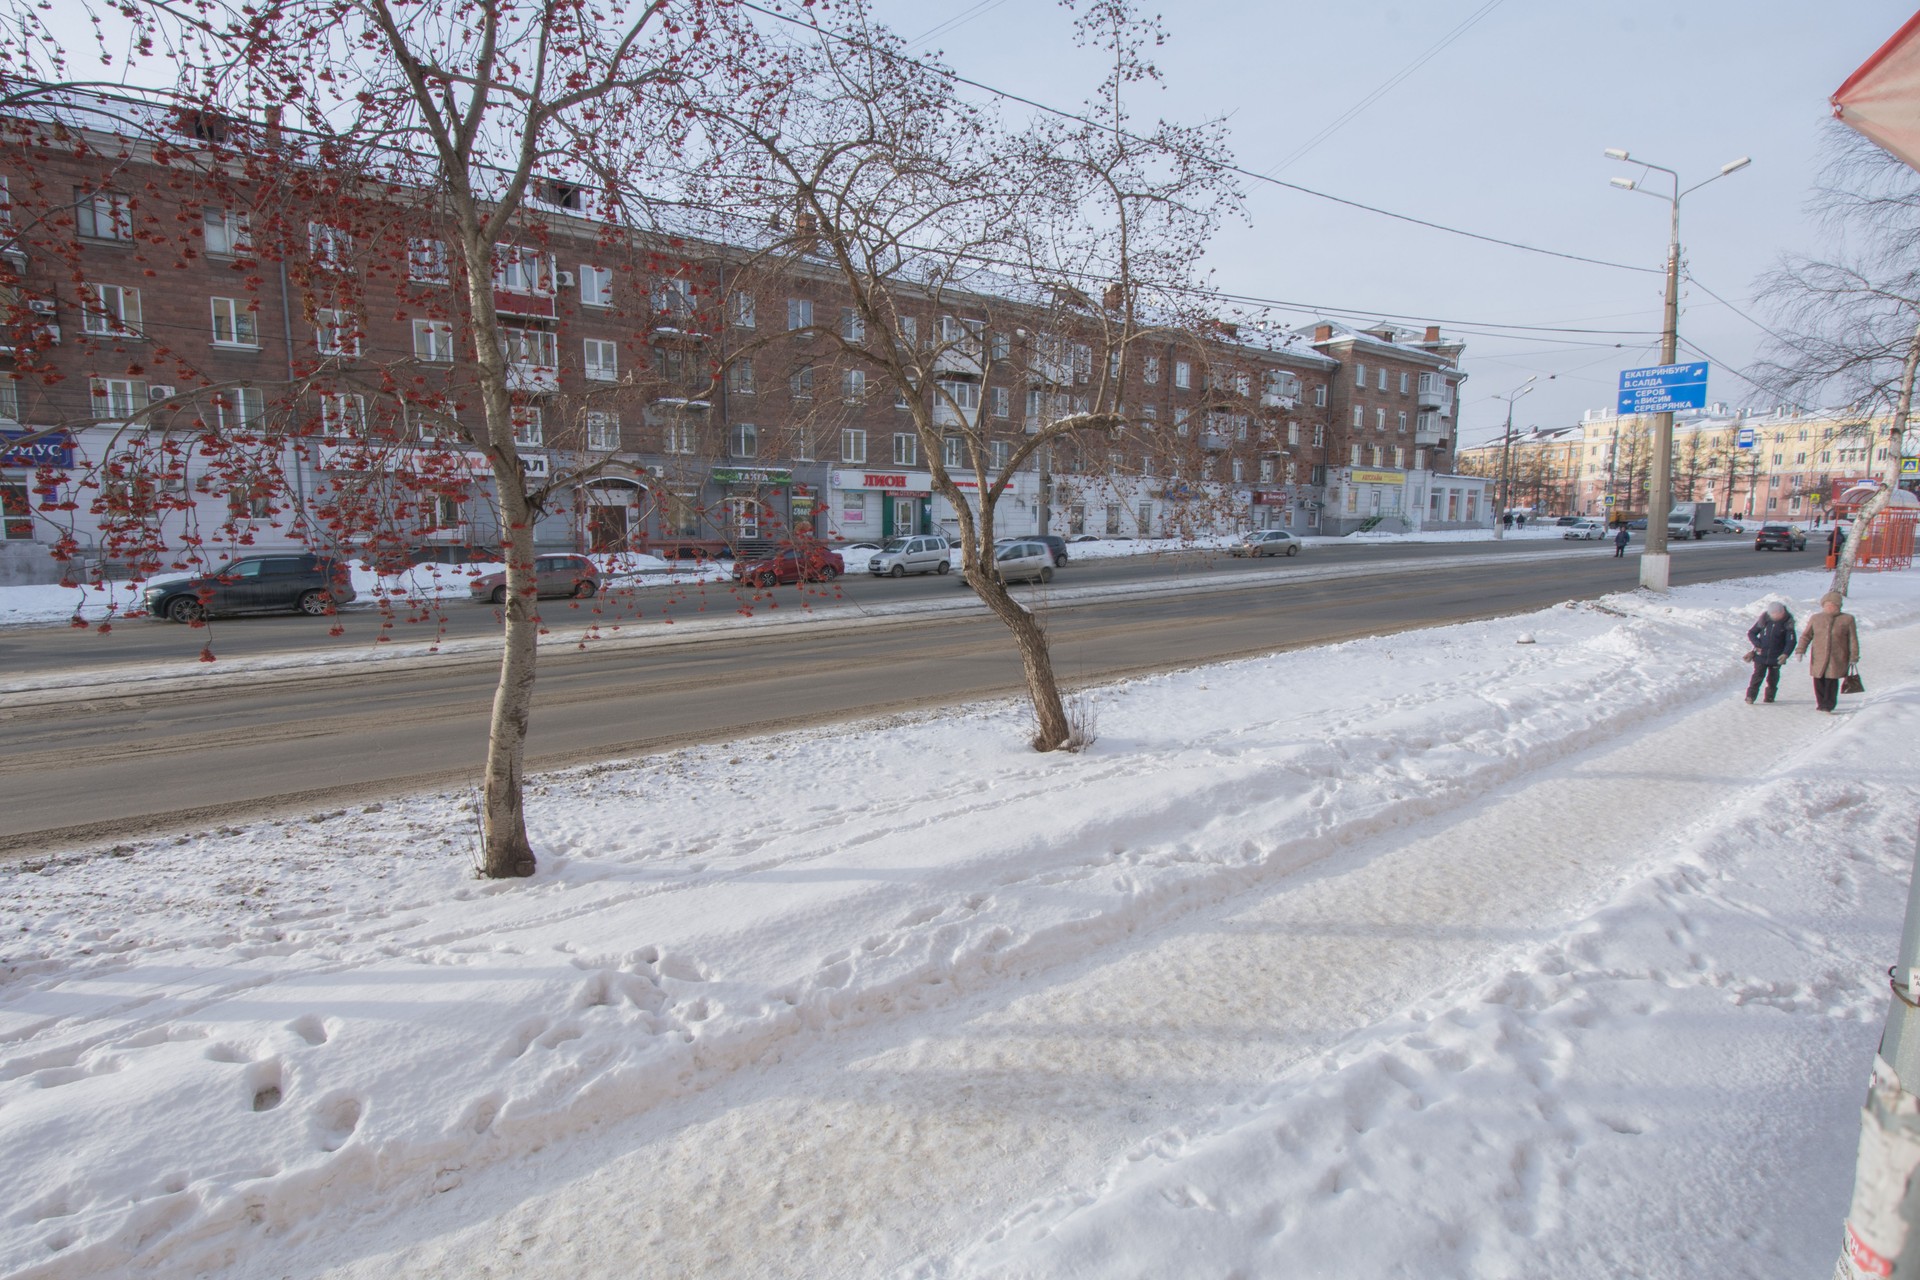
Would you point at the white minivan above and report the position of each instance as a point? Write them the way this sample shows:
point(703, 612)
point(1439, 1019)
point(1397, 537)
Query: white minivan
point(922, 553)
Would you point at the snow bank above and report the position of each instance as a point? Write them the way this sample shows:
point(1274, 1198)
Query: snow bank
point(275, 1036)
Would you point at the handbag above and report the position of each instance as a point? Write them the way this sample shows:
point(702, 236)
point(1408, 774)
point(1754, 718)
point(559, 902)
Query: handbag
point(1851, 682)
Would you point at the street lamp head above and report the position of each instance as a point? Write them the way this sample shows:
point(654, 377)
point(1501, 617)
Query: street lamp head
point(1625, 184)
point(1732, 165)
point(1616, 153)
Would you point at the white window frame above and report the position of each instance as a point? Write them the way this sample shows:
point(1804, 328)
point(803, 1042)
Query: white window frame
point(241, 326)
point(853, 445)
point(329, 246)
point(853, 326)
point(343, 413)
point(225, 233)
point(743, 440)
point(600, 359)
point(110, 310)
point(603, 431)
point(906, 449)
point(336, 332)
point(522, 270)
point(116, 399)
point(433, 341)
point(853, 385)
point(799, 313)
point(740, 310)
point(1150, 371)
point(740, 377)
point(596, 285)
point(241, 409)
point(1002, 402)
point(112, 210)
point(427, 261)
point(529, 425)
point(679, 438)
point(1182, 374)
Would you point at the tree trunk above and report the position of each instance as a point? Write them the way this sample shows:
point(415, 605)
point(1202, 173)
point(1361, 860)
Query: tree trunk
point(508, 851)
point(1843, 569)
point(1052, 731)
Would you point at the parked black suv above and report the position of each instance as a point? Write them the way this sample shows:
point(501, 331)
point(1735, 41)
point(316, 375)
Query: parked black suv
point(257, 584)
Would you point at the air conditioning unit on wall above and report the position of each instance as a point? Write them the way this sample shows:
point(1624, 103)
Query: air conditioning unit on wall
point(565, 279)
point(158, 392)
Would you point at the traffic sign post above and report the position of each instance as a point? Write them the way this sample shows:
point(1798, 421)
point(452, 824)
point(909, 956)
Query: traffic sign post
point(1666, 388)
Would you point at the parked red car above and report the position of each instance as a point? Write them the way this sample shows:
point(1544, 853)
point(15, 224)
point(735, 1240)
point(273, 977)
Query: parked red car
point(790, 564)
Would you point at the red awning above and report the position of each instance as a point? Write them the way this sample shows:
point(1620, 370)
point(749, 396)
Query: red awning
point(1882, 99)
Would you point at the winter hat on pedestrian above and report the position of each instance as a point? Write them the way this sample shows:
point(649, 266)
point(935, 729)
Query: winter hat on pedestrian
point(1839, 600)
point(1777, 609)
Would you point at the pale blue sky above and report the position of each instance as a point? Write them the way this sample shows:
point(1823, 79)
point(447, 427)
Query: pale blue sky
point(1501, 133)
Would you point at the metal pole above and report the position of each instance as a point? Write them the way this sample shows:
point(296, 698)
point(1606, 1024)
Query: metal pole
point(1654, 563)
point(1506, 451)
point(1886, 1205)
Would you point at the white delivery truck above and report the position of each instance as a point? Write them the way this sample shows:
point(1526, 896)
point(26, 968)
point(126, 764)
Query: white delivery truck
point(1690, 520)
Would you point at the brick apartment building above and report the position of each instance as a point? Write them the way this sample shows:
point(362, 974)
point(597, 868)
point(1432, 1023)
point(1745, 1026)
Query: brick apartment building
point(698, 400)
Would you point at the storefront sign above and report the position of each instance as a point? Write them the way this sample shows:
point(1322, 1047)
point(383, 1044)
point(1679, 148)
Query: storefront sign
point(773, 477)
point(916, 483)
point(538, 466)
point(54, 450)
point(1379, 477)
point(1269, 498)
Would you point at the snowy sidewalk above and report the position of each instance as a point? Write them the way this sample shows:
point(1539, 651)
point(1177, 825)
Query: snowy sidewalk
point(813, 1005)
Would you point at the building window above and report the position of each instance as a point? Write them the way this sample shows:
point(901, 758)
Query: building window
point(909, 332)
point(953, 452)
point(329, 246)
point(427, 261)
point(1002, 402)
point(530, 348)
point(1360, 376)
point(853, 445)
point(1000, 453)
point(1320, 397)
point(433, 341)
point(225, 233)
point(740, 377)
point(601, 359)
point(1399, 457)
point(1354, 459)
point(799, 313)
point(603, 431)
point(1181, 421)
point(740, 310)
point(336, 333)
point(906, 449)
point(1381, 380)
point(1379, 419)
point(1359, 417)
point(1150, 371)
point(110, 310)
point(117, 398)
point(853, 327)
point(800, 384)
point(528, 425)
point(342, 414)
point(1379, 455)
point(596, 286)
point(679, 437)
point(800, 444)
point(1293, 433)
point(1182, 374)
point(853, 385)
point(233, 324)
point(1403, 422)
point(1266, 470)
point(743, 440)
point(1239, 471)
point(1319, 435)
point(103, 215)
point(853, 508)
point(16, 517)
point(1403, 384)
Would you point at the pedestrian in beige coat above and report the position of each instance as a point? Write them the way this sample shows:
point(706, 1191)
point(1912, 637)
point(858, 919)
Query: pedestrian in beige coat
point(1833, 643)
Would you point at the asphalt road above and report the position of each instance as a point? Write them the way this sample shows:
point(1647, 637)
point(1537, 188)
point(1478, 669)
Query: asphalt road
point(171, 760)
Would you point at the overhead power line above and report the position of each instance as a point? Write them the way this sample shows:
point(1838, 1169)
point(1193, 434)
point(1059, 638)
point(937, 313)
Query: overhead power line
point(1222, 166)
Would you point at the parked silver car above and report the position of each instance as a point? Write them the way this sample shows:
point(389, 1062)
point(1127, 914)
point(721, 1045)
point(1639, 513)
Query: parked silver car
point(1023, 560)
point(923, 553)
point(1266, 542)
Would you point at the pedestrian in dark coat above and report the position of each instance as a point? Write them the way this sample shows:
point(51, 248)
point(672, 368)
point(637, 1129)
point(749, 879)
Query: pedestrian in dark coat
point(1772, 640)
point(1832, 643)
point(1620, 541)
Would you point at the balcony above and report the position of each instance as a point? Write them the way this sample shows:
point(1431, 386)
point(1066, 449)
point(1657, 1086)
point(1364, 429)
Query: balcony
point(963, 358)
point(1215, 440)
point(946, 415)
point(1282, 391)
point(1434, 393)
point(1428, 429)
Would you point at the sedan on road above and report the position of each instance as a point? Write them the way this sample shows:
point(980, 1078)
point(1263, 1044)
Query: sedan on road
point(564, 575)
point(1266, 542)
point(790, 564)
point(313, 585)
point(1024, 560)
point(1585, 530)
point(1780, 537)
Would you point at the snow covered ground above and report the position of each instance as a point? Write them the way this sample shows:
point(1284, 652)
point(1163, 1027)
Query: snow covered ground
point(1435, 954)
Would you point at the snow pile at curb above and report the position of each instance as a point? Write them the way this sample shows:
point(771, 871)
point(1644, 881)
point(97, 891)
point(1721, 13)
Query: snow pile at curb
point(218, 1041)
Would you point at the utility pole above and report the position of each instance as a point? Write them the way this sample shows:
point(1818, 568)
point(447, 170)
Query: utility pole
point(1506, 451)
point(1654, 564)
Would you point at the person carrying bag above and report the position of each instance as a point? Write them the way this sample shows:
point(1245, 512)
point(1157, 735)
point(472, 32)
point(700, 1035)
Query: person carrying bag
point(1832, 643)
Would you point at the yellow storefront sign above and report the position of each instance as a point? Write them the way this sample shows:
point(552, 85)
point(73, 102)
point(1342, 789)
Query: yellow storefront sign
point(1379, 477)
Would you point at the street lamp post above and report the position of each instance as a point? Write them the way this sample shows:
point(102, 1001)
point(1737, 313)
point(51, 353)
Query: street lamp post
point(1506, 452)
point(1654, 563)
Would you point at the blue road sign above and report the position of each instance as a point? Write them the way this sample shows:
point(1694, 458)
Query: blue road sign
point(1665, 388)
point(1746, 438)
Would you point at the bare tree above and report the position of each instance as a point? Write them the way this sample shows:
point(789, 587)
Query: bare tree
point(1851, 321)
point(977, 261)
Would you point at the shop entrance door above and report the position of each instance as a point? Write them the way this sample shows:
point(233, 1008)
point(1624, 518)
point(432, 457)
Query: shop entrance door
point(900, 517)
